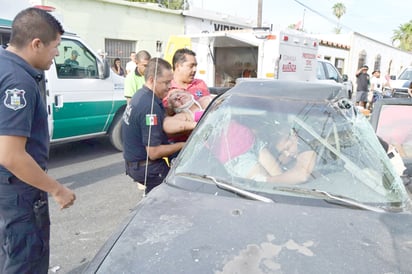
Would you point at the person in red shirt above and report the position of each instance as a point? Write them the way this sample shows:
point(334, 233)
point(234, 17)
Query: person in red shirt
point(183, 114)
point(184, 71)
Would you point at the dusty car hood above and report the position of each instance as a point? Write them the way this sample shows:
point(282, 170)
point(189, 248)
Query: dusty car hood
point(202, 233)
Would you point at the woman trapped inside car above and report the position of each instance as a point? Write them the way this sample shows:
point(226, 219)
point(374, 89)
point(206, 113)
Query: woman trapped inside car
point(249, 157)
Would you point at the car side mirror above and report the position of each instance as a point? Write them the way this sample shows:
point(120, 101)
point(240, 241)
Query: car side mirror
point(345, 77)
point(392, 77)
point(104, 69)
point(334, 79)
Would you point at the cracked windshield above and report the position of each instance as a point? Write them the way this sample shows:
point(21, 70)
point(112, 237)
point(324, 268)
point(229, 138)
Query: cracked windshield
point(310, 145)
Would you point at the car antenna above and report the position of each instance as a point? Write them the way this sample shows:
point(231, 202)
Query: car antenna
point(150, 130)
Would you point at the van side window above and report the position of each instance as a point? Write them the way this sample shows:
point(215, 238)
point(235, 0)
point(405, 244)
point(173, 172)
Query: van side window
point(75, 61)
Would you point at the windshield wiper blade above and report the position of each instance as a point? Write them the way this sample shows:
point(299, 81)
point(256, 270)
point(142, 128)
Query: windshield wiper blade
point(239, 191)
point(349, 201)
point(229, 187)
point(342, 199)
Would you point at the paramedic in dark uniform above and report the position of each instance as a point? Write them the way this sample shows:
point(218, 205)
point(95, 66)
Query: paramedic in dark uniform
point(145, 142)
point(24, 145)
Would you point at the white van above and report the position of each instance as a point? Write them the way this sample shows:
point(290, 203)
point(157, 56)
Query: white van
point(85, 100)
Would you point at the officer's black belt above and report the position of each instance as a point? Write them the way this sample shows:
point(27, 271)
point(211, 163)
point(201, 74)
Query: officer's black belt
point(143, 163)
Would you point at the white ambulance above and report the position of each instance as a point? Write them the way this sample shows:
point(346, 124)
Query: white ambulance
point(84, 100)
point(226, 56)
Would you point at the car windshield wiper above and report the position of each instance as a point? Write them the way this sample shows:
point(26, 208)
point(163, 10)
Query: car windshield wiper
point(239, 191)
point(229, 187)
point(333, 197)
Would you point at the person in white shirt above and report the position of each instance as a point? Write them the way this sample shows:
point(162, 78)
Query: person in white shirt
point(131, 65)
point(376, 87)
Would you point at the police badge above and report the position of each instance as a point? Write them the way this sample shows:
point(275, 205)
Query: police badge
point(15, 99)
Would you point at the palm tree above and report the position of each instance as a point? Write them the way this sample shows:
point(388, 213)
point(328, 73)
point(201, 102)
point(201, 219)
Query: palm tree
point(339, 10)
point(403, 35)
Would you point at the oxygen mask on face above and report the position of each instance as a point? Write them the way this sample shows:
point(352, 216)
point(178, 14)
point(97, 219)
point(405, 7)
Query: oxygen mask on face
point(186, 106)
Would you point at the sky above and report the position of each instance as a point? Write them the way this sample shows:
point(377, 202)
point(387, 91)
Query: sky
point(376, 19)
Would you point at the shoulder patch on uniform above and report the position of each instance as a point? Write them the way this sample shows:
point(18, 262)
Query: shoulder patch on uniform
point(15, 99)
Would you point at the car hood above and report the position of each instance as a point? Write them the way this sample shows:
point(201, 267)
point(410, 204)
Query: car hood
point(176, 231)
point(400, 84)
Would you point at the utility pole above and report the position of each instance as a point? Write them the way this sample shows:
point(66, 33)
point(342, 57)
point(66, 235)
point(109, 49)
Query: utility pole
point(303, 19)
point(259, 15)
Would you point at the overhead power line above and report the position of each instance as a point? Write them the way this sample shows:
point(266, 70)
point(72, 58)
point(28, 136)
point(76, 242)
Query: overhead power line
point(322, 15)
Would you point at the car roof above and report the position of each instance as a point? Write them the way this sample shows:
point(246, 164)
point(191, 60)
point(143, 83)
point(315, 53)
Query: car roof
point(287, 89)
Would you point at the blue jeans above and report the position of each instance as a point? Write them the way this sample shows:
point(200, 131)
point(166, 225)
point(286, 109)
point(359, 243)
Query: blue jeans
point(376, 96)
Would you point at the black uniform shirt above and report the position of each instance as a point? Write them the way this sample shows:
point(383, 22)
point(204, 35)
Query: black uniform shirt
point(139, 122)
point(22, 110)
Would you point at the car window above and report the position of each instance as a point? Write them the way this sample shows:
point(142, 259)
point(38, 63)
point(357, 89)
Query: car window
point(75, 61)
point(406, 75)
point(320, 72)
point(348, 158)
point(332, 72)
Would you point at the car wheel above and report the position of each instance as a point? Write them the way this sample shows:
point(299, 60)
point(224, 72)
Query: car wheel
point(115, 132)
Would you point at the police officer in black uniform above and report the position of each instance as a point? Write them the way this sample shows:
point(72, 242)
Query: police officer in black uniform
point(24, 145)
point(145, 142)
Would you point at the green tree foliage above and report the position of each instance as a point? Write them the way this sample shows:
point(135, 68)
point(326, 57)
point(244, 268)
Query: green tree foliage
point(170, 4)
point(338, 10)
point(403, 36)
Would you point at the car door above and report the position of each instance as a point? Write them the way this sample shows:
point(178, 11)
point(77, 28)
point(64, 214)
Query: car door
point(79, 102)
point(391, 119)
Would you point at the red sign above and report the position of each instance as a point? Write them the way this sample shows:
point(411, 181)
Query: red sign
point(289, 67)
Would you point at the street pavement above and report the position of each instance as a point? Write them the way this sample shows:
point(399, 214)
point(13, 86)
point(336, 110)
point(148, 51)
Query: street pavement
point(105, 196)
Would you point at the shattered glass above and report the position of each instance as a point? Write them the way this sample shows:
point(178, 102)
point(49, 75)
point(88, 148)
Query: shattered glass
point(346, 158)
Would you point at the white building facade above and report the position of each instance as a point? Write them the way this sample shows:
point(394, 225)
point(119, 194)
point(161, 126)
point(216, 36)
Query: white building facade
point(119, 27)
point(356, 50)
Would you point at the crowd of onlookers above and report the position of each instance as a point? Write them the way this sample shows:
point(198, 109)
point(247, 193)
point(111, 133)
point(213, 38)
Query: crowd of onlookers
point(371, 89)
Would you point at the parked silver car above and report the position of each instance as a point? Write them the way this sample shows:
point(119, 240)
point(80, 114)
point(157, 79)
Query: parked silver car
point(329, 202)
point(326, 71)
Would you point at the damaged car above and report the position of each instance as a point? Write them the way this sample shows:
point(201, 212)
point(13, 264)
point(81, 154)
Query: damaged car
point(277, 177)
